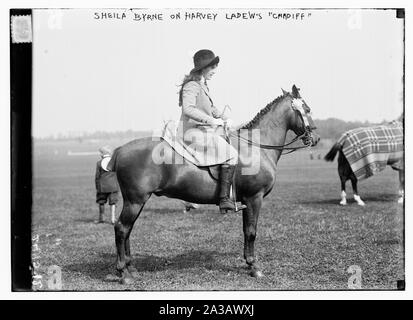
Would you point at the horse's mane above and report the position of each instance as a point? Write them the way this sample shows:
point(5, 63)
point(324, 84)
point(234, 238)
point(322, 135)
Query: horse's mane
point(263, 111)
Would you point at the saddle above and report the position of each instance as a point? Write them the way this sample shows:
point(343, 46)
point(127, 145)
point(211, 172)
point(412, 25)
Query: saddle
point(169, 136)
point(214, 171)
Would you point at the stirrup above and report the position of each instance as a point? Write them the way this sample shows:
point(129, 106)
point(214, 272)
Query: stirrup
point(240, 207)
point(236, 208)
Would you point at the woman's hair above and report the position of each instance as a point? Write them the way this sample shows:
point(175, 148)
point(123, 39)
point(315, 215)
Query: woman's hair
point(195, 76)
point(192, 76)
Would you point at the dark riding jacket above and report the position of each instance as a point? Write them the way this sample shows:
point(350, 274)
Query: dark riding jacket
point(105, 181)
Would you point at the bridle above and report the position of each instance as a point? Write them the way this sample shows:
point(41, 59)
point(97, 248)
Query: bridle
point(297, 106)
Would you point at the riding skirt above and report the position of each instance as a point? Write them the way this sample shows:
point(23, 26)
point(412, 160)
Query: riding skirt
point(208, 146)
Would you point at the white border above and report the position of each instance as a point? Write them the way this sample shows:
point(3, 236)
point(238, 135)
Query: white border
point(5, 272)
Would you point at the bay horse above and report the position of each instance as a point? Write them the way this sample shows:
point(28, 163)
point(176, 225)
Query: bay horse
point(139, 176)
point(360, 146)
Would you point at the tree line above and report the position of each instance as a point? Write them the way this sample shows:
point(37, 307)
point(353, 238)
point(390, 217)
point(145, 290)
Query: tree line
point(330, 128)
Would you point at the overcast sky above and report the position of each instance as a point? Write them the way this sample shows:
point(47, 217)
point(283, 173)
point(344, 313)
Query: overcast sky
point(117, 74)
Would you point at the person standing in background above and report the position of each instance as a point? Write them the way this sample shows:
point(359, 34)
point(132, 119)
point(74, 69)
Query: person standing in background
point(106, 185)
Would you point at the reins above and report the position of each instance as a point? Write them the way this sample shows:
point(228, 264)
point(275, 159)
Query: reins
point(268, 146)
point(274, 147)
point(307, 131)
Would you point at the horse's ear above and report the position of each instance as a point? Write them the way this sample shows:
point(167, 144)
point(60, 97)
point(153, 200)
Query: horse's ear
point(284, 92)
point(296, 92)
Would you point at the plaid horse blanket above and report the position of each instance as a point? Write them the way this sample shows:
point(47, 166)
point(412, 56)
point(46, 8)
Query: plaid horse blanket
point(369, 150)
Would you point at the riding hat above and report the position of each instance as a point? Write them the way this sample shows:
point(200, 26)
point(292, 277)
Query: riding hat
point(204, 58)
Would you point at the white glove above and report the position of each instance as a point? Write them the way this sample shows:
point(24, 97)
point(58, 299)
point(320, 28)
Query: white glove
point(217, 122)
point(229, 123)
point(226, 111)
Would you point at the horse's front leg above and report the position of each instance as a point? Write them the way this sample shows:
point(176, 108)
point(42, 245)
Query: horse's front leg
point(250, 219)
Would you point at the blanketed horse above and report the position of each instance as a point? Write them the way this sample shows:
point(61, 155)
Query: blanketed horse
point(364, 152)
point(139, 176)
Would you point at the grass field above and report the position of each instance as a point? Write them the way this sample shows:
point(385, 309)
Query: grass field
point(305, 239)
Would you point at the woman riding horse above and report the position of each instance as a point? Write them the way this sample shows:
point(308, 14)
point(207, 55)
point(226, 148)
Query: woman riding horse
point(140, 176)
point(203, 122)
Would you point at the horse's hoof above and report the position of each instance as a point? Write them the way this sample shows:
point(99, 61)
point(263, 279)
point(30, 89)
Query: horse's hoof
point(401, 200)
point(133, 272)
point(111, 278)
point(126, 280)
point(343, 203)
point(256, 274)
point(250, 261)
point(361, 204)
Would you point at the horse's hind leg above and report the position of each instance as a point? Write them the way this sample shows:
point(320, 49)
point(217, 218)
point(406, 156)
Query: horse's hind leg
point(250, 219)
point(355, 191)
point(123, 228)
point(344, 171)
point(343, 194)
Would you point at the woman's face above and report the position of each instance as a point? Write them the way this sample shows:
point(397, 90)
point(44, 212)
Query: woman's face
point(209, 72)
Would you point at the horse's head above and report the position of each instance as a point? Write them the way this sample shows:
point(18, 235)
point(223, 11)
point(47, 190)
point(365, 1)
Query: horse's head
point(300, 120)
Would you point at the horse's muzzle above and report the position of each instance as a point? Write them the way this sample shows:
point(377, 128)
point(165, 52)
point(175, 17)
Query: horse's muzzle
point(315, 138)
point(311, 139)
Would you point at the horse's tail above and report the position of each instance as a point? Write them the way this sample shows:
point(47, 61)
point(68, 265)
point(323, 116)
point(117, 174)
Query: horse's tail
point(112, 163)
point(332, 153)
